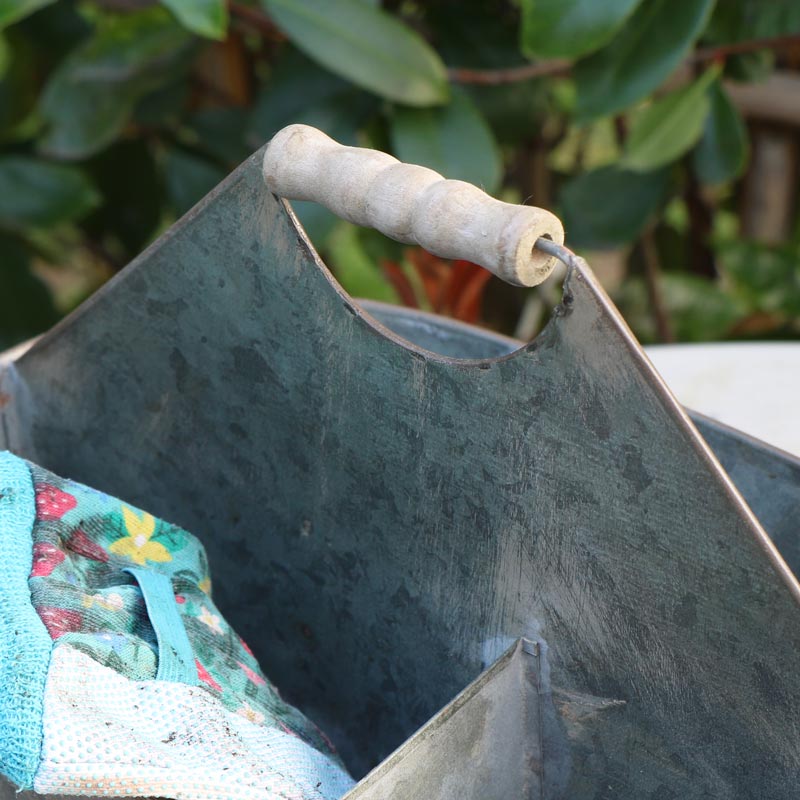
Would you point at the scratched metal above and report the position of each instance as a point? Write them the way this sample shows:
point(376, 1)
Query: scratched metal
point(487, 743)
point(384, 522)
point(768, 478)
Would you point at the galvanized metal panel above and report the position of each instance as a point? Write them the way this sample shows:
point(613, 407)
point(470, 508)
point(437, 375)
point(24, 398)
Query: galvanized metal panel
point(768, 478)
point(384, 522)
point(486, 743)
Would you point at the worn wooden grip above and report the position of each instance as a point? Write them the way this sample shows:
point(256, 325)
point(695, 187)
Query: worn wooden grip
point(412, 204)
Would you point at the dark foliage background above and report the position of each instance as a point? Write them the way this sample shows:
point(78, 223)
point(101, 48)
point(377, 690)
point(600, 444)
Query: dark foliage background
point(664, 133)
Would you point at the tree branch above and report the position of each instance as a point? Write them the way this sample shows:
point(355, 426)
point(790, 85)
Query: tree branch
point(652, 279)
point(256, 19)
point(748, 46)
point(559, 67)
point(495, 77)
point(126, 6)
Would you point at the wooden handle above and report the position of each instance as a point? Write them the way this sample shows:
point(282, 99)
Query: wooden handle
point(411, 204)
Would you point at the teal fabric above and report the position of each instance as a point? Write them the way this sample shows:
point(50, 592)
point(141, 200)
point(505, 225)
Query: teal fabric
point(25, 645)
point(124, 588)
point(175, 658)
point(85, 570)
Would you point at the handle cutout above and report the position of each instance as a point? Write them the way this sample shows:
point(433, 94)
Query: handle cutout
point(412, 204)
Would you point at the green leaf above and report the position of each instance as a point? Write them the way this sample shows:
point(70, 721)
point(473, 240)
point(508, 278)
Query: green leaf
point(5, 56)
point(610, 207)
point(753, 67)
point(18, 89)
point(669, 127)
point(736, 20)
point(131, 183)
point(164, 107)
point(38, 193)
point(477, 37)
point(299, 91)
point(189, 179)
point(454, 140)
point(26, 307)
point(640, 57)
point(91, 95)
point(571, 28)
point(721, 154)
point(295, 86)
point(203, 17)
point(12, 11)
point(365, 45)
point(221, 132)
point(316, 220)
point(700, 310)
point(354, 269)
point(767, 276)
point(586, 147)
point(55, 31)
point(513, 110)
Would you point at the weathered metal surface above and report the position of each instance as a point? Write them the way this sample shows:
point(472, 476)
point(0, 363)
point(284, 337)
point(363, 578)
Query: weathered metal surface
point(768, 478)
point(384, 522)
point(487, 743)
point(447, 337)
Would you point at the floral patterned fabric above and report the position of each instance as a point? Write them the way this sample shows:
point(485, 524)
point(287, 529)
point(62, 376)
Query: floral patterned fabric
point(84, 541)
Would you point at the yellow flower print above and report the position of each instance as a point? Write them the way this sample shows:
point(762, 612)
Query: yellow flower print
point(111, 602)
point(137, 545)
point(248, 712)
point(205, 585)
point(212, 620)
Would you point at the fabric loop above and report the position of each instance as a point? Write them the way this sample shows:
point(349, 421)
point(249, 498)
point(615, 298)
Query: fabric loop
point(175, 657)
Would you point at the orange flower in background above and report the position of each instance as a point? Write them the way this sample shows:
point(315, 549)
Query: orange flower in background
point(454, 288)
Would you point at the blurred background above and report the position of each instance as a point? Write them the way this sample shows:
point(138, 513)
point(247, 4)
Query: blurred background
point(665, 134)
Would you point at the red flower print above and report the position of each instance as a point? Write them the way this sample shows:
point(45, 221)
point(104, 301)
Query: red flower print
point(247, 650)
point(81, 544)
point(254, 676)
point(59, 621)
point(330, 745)
point(46, 557)
point(287, 729)
point(180, 599)
point(202, 673)
point(52, 503)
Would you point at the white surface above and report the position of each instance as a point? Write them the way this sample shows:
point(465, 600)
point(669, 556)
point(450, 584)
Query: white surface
point(754, 387)
point(16, 351)
point(415, 205)
point(106, 735)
